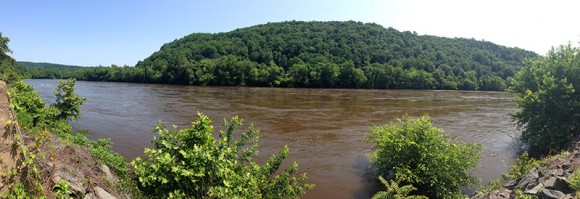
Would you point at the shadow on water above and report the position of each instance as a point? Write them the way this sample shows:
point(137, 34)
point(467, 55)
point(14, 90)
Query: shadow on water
point(368, 178)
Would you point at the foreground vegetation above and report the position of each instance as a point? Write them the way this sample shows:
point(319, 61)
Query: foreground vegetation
point(411, 156)
point(411, 151)
point(547, 91)
point(186, 163)
point(192, 163)
point(318, 54)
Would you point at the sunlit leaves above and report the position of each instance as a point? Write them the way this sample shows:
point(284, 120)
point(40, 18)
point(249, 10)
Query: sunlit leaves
point(545, 90)
point(412, 151)
point(191, 163)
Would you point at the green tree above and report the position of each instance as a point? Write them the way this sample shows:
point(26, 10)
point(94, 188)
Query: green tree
point(545, 91)
point(191, 163)
point(9, 70)
point(67, 102)
point(414, 152)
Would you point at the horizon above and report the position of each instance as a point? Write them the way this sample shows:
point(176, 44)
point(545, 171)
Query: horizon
point(123, 33)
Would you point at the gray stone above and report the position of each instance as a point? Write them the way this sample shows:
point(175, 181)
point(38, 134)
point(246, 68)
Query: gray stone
point(510, 184)
point(560, 184)
point(535, 189)
point(544, 179)
point(551, 194)
point(90, 195)
point(110, 177)
point(102, 194)
point(73, 177)
point(530, 180)
point(479, 196)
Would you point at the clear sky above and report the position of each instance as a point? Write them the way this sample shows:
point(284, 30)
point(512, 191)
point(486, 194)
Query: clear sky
point(122, 32)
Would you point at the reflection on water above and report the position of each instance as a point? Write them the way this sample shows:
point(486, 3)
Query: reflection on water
point(322, 127)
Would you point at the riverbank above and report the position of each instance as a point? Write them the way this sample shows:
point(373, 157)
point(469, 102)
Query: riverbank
point(552, 177)
point(48, 164)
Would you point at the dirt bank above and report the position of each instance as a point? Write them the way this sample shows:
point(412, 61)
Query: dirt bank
point(57, 163)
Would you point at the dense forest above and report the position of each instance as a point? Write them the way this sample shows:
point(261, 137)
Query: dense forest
point(318, 54)
point(47, 70)
point(9, 70)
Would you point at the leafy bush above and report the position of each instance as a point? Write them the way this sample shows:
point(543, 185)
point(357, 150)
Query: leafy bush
point(412, 151)
point(545, 91)
point(27, 103)
point(521, 168)
point(67, 102)
point(191, 163)
point(394, 191)
point(31, 110)
point(575, 181)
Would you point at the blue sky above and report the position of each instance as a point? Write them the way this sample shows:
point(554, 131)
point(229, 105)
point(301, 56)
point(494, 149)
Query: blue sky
point(105, 32)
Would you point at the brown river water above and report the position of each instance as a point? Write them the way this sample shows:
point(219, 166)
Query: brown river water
point(324, 128)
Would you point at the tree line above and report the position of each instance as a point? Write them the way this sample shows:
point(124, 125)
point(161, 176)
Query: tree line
point(317, 54)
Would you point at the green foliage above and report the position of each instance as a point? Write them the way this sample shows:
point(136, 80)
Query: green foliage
point(35, 118)
point(27, 103)
point(414, 152)
point(575, 181)
point(519, 194)
point(101, 149)
point(62, 190)
point(521, 168)
point(316, 54)
point(191, 163)
point(31, 110)
point(395, 192)
point(9, 70)
point(67, 102)
point(545, 91)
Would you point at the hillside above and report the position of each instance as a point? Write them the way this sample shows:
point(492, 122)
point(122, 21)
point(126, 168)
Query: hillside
point(46, 70)
point(320, 55)
point(332, 54)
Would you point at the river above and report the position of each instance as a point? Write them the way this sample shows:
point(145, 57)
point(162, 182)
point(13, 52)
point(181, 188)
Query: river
point(322, 127)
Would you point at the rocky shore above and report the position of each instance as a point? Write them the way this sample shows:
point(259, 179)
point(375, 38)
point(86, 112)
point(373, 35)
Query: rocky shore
point(550, 180)
point(55, 160)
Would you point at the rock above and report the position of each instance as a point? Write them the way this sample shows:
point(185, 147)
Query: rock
point(530, 180)
point(90, 195)
point(551, 194)
point(102, 194)
point(557, 183)
point(74, 178)
point(501, 193)
point(479, 196)
point(544, 179)
point(568, 196)
point(535, 189)
point(565, 166)
point(510, 184)
point(110, 177)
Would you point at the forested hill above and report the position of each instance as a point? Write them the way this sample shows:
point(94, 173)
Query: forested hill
point(42, 70)
point(332, 54)
point(34, 65)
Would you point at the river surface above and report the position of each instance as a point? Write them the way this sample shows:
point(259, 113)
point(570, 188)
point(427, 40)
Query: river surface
point(323, 128)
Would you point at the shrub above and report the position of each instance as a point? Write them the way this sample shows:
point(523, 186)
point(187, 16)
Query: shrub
point(412, 151)
point(67, 102)
point(523, 165)
point(545, 91)
point(27, 103)
point(575, 181)
point(394, 191)
point(191, 163)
